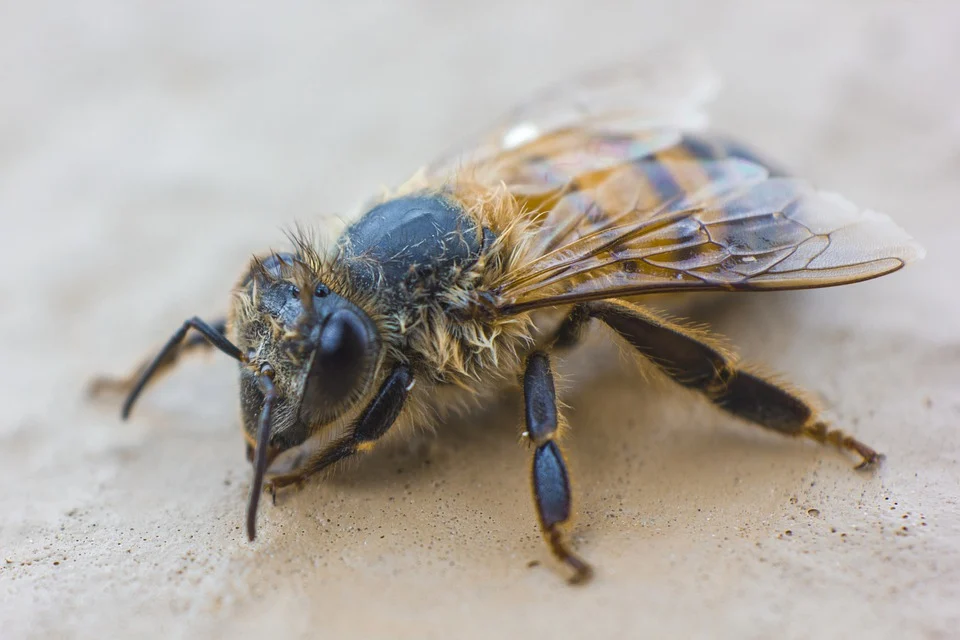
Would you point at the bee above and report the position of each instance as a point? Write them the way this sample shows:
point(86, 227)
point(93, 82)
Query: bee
point(471, 277)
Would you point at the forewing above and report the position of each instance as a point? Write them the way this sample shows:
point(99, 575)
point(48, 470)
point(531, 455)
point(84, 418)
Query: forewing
point(730, 226)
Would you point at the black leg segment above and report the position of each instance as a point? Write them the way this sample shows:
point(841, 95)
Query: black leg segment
point(168, 355)
point(755, 399)
point(551, 482)
point(540, 399)
point(693, 359)
point(551, 485)
point(124, 385)
point(570, 331)
point(199, 340)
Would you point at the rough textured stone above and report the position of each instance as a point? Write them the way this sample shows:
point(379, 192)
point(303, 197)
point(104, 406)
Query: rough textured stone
point(147, 148)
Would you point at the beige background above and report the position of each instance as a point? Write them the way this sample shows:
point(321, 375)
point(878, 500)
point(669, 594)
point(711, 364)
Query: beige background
point(147, 148)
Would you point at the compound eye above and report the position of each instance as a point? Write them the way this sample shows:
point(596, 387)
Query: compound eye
point(342, 357)
point(344, 362)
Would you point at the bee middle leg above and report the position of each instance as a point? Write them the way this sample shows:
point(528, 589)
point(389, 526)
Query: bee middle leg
point(691, 359)
point(570, 332)
point(551, 482)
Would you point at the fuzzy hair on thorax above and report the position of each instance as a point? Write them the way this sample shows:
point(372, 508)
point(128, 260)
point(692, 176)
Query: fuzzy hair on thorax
point(455, 353)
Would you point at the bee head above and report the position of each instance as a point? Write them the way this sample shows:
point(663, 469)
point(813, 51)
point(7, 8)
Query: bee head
point(325, 350)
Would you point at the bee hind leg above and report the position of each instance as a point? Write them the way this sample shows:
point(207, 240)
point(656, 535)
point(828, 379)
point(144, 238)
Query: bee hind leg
point(689, 357)
point(551, 481)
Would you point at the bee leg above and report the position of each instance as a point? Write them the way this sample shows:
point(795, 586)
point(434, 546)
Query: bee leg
point(373, 423)
point(570, 331)
point(551, 483)
point(107, 384)
point(168, 356)
point(689, 357)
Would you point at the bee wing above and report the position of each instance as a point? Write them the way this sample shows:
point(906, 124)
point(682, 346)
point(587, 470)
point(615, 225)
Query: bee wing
point(676, 224)
point(622, 199)
point(664, 94)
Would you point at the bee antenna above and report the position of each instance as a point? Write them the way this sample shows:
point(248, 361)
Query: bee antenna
point(265, 380)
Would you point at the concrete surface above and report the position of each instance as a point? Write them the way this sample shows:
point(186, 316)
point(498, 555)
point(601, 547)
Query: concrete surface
point(147, 148)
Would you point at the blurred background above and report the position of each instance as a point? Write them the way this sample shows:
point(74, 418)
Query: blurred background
point(147, 149)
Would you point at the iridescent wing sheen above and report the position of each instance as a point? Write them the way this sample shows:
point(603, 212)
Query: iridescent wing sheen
point(661, 96)
point(684, 224)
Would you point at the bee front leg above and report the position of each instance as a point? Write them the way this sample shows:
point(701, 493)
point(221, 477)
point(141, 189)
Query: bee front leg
point(102, 385)
point(207, 335)
point(693, 360)
point(551, 482)
point(373, 424)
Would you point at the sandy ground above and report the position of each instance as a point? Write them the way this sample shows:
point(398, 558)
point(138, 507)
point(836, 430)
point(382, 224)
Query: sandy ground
point(146, 149)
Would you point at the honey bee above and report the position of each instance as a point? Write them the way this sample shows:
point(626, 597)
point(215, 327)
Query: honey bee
point(470, 277)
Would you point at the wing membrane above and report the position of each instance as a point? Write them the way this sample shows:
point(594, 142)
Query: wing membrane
point(741, 231)
point(667, 92)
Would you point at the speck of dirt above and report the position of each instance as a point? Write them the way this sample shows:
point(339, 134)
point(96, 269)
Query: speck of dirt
point(788, 532)
point(813, 512)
